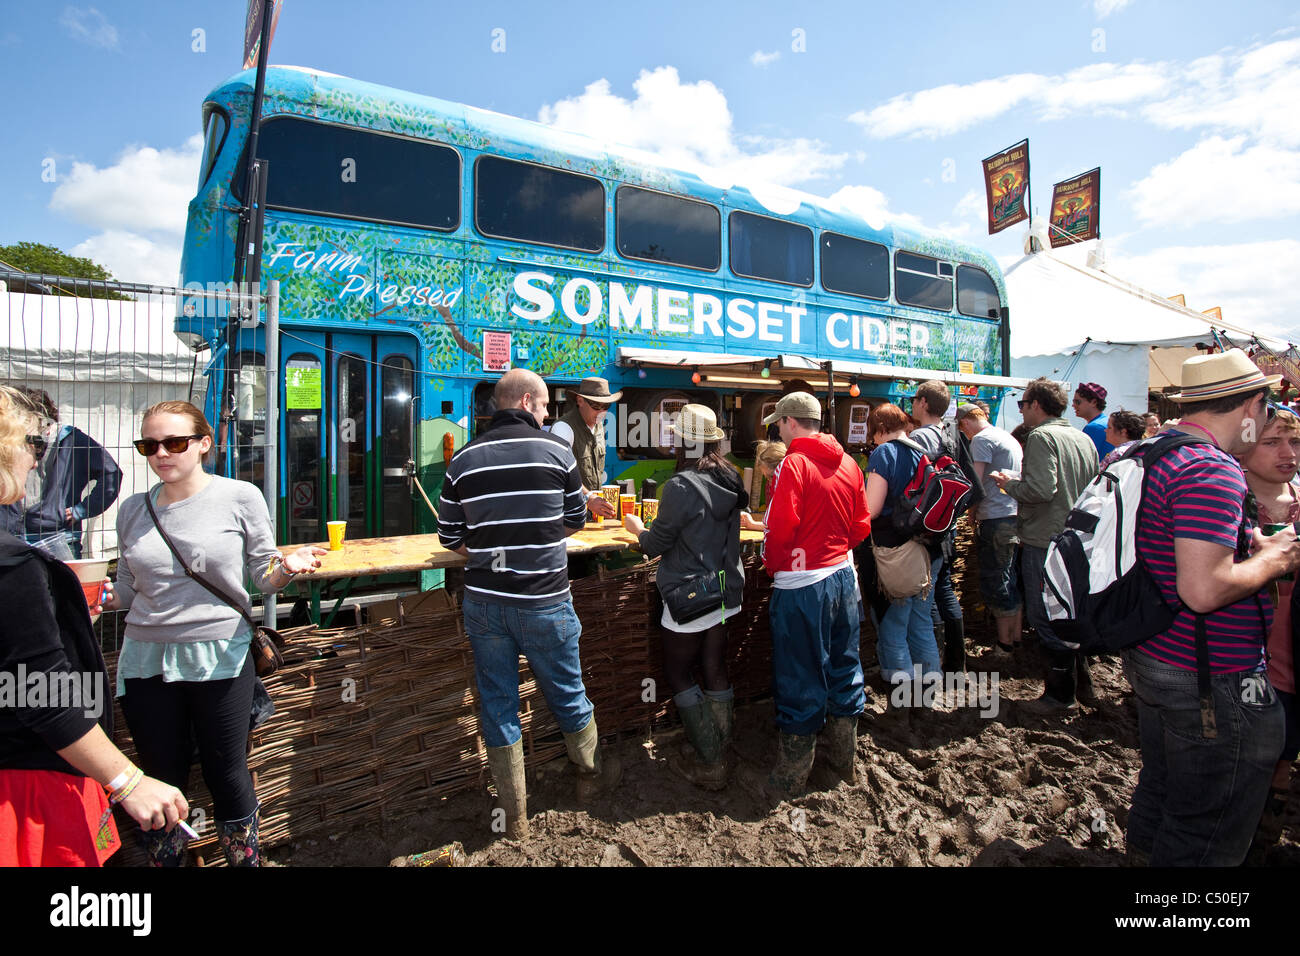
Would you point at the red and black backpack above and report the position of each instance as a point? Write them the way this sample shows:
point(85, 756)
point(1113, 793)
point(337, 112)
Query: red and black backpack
point(937, 495)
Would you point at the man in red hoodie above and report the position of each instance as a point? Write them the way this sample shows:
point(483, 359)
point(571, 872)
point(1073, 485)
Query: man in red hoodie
point(817, 515)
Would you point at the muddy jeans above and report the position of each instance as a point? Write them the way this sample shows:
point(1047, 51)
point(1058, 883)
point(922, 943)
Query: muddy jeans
point(1198, 800)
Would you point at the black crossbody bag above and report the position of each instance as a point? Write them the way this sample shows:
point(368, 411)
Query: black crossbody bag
point(266, 643)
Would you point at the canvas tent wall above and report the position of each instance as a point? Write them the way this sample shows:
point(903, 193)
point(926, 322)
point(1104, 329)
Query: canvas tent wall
point(103, 362)
point(1074, 323)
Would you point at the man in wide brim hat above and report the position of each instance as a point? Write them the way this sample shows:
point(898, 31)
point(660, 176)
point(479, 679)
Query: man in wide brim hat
point(1210, 733)
point(582, 426)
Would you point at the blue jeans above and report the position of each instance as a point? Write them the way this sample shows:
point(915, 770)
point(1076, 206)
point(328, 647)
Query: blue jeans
point(1197, 801)
point(815, 664)
point(996, 543)
point(905, 636)
point(548, 637)
point(945, 606)
point(1032, 563)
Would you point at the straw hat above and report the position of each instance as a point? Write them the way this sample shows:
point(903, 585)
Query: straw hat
point(697, 423)
point(1217, 376)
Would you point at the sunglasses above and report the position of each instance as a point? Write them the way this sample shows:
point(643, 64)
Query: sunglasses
point(1020, 405)
point(175, 444)
point(39, 444)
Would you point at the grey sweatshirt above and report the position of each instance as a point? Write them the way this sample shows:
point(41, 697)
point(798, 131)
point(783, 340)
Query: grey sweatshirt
point(224, 534)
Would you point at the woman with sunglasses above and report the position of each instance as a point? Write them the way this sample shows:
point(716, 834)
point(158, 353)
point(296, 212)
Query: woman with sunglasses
point(59, 771)
point(184, 660)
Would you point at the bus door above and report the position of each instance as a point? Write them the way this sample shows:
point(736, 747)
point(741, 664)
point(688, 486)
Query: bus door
point(348, 433)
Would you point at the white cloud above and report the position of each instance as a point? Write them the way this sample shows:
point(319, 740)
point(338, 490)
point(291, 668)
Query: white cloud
point(1104, 8)
point(138, 205)
point(760, 58)
point(688, 125)
point(1251, 281)
point(88, 25)
point(973, 205)
point(146, 190)
point(873, 206)
point(948, 109)
point(132, 257)
point(1253, 90)
point(1220, 180)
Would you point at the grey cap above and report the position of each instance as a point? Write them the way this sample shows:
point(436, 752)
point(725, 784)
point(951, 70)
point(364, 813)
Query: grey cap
point(795, 405)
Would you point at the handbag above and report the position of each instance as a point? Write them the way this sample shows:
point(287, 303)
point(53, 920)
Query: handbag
point(266, 641)
point(695, 597)
point(904, 571)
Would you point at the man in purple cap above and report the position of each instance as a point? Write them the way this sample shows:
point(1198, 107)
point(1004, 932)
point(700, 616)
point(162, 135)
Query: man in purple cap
point(1090, 405)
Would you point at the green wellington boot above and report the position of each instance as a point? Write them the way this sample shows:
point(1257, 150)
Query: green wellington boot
point(722, 705)
point(704, 766)
point(507, 767)
point(842, 747)
point(598, 773)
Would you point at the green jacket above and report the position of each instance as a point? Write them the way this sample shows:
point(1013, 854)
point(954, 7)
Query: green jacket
point(1059, 462)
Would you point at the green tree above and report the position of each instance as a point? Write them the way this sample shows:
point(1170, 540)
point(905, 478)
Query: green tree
point(47, 260)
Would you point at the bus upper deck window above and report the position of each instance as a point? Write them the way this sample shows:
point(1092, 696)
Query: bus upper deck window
point(664, 228)
point(922, 281)
point(976, 293)
point(215, 126)
point(531, 203)
point(766, 248)
point(396, 179)
point(854, 266)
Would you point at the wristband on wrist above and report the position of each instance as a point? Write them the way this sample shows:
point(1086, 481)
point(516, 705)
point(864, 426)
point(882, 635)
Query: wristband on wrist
point(128, 788)
point(117, 782)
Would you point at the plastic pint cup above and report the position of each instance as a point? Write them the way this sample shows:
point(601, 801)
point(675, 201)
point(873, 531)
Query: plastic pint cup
point(611, 493)
point(627, 505)
point(649, 511)
point(91, 574)
point(337, 530)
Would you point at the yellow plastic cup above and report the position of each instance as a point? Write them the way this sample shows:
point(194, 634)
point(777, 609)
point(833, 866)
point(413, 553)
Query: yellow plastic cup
point(337, 530)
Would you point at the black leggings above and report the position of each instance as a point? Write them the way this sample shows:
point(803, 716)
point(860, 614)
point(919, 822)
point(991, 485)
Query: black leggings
point(166, 720)
point(683, 651)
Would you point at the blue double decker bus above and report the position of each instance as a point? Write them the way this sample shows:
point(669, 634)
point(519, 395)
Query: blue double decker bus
point(422, 246)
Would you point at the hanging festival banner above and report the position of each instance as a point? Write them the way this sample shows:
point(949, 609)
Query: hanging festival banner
point(1076, 209)
point(1006, 183)
point(253, 29)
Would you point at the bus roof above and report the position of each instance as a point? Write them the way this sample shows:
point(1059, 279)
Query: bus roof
point(303, 91)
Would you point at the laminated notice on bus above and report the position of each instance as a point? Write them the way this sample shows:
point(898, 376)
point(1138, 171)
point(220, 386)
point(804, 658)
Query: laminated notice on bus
point(496, 351)
point(302, 387)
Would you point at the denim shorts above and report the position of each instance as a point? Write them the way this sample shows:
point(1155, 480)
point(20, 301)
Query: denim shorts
point(997, 545)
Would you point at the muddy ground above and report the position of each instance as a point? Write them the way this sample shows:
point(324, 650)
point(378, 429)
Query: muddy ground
point(945, 788)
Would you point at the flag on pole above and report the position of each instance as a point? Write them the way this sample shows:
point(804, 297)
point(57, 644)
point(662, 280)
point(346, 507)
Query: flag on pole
point(1006, 184)
point(1076, 209)
point(253, 29)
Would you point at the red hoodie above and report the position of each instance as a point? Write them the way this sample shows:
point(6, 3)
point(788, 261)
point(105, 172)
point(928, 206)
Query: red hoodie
point(818, 510)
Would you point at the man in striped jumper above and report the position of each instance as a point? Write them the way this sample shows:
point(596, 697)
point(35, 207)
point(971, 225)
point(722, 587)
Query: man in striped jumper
point(1210, 724)
point(510, 498)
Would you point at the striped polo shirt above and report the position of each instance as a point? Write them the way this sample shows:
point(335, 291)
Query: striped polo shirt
point(1198, 492)
point(508, 497)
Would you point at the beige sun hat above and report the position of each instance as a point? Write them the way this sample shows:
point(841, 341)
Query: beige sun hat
point(1217, 376)
point(697, 423)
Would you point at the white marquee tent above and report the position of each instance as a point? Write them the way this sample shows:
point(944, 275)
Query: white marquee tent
point(1075, 323)
point(103, 362)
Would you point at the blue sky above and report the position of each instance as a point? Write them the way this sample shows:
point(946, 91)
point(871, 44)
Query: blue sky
point(1188, 108)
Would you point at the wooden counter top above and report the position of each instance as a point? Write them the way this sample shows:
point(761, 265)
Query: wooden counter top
point(422, 552)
